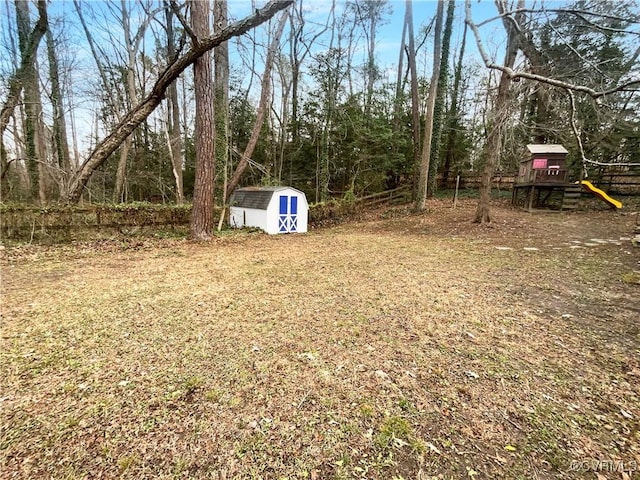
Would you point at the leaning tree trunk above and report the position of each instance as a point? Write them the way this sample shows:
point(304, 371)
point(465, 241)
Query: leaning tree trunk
point(142, 110)
point(497, 118)
point(202, 222)
point(262, 107)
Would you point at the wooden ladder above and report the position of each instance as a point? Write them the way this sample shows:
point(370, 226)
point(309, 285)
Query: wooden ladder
point(571, 196)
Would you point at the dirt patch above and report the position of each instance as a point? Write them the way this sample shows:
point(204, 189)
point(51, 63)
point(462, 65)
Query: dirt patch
point(414, 346)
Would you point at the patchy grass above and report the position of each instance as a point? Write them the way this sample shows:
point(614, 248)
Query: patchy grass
point(398, 346)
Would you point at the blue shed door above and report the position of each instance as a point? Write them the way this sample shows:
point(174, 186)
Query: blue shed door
point(288, 218)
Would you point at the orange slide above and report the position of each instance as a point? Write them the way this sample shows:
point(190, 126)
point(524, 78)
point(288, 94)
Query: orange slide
point(599, 193)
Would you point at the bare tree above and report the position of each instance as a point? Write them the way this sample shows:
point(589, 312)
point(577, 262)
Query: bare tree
point(132, 45)
point(299, 48)
point(397, 107)
point(370, 13)
point(60, 141)
point(265, 94)
point(221, 92)
point(497, 117)
point(431, 102)
point(33, 127)
point(173, 112)
point(415, 100)
point(143, 109)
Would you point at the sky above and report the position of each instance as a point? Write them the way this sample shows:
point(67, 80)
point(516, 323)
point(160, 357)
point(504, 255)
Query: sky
point(107, 31)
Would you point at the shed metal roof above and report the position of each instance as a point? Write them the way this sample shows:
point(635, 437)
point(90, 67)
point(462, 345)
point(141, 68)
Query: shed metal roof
point(541, 148)
point(255, 197)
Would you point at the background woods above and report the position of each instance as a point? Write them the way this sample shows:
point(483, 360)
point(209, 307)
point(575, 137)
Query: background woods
point(349, 98)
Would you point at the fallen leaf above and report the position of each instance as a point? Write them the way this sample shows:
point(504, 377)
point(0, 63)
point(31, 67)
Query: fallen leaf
point(626, 414)
point(433, 448)
point(511, 448)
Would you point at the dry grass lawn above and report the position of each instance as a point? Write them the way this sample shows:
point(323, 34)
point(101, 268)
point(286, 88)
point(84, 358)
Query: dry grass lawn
point(396, 346)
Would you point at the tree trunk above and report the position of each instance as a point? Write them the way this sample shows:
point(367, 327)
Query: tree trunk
point(33, 131)
point(397, 110)
point(375, 7)
point(202, 222)
point(421, 200)
point(438, 113)
point(140, 112)
point(296, 34)
point(262, 106)
point(28, 53)
point(453, 120)
point(130, 99)
point(415, 100)
point(221, 91)
point(61, 144)
point(173, 114)
point(497, 118)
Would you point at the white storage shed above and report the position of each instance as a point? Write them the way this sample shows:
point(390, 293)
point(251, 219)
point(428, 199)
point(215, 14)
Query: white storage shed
point(273, 209)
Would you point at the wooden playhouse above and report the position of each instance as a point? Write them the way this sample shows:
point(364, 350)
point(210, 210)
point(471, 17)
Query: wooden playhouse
point(543, 172)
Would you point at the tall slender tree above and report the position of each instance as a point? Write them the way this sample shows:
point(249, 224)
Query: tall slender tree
point(453, 117)
point(33, 128)
point(439, 107)
point(173, 112)
point(221, 92)
point(421, 200)
point(60, 142)
point(415, 100)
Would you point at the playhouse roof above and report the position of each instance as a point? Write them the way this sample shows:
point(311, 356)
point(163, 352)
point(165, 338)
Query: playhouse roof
point(255, 197)
point(541, 148)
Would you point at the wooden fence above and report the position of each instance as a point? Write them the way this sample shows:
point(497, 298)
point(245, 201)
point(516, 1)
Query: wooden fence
point(24, 222)
point(618, 183)
point(62, 223)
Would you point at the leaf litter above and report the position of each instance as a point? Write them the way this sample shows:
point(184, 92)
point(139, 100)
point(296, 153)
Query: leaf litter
point(343, 353)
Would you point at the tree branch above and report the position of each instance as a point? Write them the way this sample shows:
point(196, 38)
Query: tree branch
point(577, 12)
point(142, 110)
point(183, 22)
point(596, 94)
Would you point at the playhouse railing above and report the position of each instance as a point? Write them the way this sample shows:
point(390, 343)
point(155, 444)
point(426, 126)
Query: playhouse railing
point(544, 175)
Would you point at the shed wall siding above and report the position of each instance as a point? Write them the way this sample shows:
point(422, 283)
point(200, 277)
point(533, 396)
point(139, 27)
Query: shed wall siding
point(248, 217)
